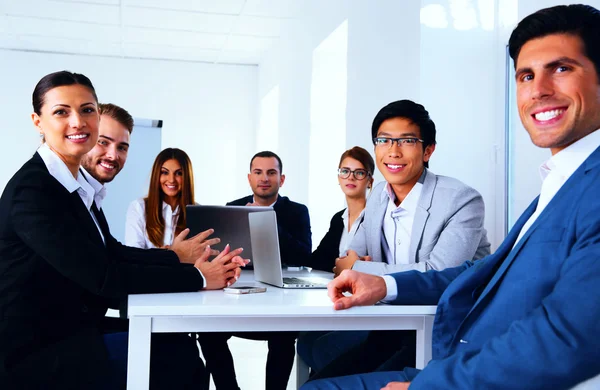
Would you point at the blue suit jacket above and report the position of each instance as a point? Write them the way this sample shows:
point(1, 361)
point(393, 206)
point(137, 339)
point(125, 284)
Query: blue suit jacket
point(526, 317)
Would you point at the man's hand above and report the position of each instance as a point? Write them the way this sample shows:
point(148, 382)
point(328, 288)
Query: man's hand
point(366, 289)
point(252, 204)
point(223, 270)
point(347, 262)
point(191, 249)
point(396, 386)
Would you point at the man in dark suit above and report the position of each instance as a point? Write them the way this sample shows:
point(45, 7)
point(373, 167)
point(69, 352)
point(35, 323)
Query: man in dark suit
point(174, 355)
point(293, 226)
point(293, 223)
point(525, 317)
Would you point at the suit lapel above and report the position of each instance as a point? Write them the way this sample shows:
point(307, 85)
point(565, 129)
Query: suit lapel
point(377, 225)
point(568, 191)
point(86, 219)
point(421, 214)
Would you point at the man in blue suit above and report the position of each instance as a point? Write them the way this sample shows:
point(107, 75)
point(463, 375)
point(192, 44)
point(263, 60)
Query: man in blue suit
point(525, 317)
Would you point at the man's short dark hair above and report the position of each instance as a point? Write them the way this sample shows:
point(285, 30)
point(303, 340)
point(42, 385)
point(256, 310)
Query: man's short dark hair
point(578, 20)
point(267, 154)
point(412, 111)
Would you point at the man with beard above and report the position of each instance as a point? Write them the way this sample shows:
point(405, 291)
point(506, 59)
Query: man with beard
point(108, 157)
point(293, 227)
point(173, 352)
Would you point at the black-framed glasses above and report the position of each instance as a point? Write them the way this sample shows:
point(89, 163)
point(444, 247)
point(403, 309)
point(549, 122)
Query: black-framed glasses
point(408, 142)
point(359, 174)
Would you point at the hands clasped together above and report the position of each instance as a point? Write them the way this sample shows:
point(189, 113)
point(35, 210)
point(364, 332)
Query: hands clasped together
point(222, 271)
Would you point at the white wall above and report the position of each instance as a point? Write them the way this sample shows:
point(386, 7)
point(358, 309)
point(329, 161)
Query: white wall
point(455, 64)
point(207, 110)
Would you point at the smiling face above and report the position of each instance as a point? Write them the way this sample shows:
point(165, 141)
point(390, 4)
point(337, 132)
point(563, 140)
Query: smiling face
point(69, 122)
point(109, 155)
point(558, 95)
point(171, 180)
point(401, 166)
point(352, 187)
point(265, 178)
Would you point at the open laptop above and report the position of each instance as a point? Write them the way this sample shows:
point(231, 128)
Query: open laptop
point(230, 224)
point(266, 256)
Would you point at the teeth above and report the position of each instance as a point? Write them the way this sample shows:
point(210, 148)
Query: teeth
point(547, 115)
point(394, 166)
point(77, 136)
point(107, 166)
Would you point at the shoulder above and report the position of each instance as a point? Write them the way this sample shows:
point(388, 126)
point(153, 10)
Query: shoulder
point(450, 187)
point(138, 205)
point(241, 201)
point(33, 175)
point(285, 202)
point(338, 215)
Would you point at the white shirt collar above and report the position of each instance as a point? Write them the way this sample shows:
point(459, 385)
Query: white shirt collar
point(570, 158)
point(167, 207)
point(59, 170)
point(271, 205)
point(99, 188)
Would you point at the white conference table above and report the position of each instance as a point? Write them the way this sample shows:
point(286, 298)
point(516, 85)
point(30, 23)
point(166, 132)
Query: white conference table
point(276, 309)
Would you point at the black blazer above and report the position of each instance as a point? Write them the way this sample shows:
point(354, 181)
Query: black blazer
point(323, 258)
point(293, 226)
point(57, 279)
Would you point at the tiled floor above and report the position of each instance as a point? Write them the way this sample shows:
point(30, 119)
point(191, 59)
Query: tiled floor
point(249, 358)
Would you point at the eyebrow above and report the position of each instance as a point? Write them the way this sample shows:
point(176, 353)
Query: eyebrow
point(401, 135)
point(66, 105)
point(550, 65)
point(110, 139)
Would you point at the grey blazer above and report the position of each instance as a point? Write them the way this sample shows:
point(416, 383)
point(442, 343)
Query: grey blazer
point(447, 229)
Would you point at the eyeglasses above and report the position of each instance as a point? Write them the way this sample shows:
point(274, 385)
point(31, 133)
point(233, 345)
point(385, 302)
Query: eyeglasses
point(409, 142)
point(359, 174)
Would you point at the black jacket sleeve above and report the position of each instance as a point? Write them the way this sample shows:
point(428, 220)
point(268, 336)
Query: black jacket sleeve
point(45, 220)
point(323, 258)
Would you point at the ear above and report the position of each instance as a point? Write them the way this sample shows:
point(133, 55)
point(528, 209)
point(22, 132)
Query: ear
point(281, 180)
point(428, 152)
point(35, 118)
point(249, 181)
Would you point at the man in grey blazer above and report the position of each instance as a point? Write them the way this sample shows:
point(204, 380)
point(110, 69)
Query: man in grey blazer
point(415, 220)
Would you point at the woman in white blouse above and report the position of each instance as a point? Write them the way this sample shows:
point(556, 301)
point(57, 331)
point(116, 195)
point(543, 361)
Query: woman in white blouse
point(153, 221)
point(355, 177)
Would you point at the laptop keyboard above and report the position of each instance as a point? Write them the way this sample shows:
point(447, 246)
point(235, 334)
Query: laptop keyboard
point(306, 281)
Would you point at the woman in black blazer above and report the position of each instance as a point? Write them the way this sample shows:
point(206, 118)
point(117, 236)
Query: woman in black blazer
point(60, 269)
point(355, 176)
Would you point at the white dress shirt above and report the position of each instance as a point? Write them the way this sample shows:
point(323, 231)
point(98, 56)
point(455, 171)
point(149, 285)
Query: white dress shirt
point(348, 235)
point(554, 172)
point(59, 170)
point(135, 225)
point(558, 169)
point(398, 223)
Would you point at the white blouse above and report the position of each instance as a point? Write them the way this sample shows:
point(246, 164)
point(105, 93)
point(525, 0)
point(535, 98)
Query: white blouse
point(347, 236)
point(135, 225)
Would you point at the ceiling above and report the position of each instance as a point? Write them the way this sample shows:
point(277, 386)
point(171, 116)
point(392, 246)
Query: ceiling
point(215, 31)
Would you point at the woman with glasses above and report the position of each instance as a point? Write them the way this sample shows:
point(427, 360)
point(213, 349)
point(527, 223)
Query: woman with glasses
point(355, 177)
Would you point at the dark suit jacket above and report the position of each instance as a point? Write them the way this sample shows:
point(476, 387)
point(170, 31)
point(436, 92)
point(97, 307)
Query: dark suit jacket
point(323, 258)
point(57, 279)
point(293, 226)
point(525, 317)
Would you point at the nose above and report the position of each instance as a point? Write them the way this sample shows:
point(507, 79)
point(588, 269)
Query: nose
point(111, 153)
point(395, 150)
point(542, 87)
point(76, 121)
